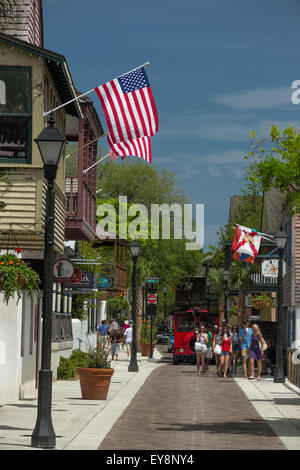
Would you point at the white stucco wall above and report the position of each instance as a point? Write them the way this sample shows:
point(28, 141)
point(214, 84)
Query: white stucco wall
point(10, 357)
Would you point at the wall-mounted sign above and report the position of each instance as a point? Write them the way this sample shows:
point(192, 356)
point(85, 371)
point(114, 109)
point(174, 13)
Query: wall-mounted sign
point(105, 281)
point(63, 270)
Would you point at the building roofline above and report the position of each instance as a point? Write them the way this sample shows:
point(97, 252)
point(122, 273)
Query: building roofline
point(58, 68)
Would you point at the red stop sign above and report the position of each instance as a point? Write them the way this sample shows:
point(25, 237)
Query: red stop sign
point(152, 299)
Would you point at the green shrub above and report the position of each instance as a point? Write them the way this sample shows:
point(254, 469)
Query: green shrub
point(67, 367)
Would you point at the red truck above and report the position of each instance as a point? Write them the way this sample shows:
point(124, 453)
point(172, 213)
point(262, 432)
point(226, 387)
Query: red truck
point(184, 336)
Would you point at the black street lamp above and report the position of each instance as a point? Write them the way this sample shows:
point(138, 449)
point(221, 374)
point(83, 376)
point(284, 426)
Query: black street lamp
point(279, 376)
point(135, 248)
point(51, 144)
point(165, 302)
point(225, 279)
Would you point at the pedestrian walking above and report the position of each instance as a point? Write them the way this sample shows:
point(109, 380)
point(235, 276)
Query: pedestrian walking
point(103, 332)
point(128, 339)
point(245, 334)
point(216, 342)
point(201, 348)
point(256, 351)
point(235, 348)
point(113, 326)
point(209, 348)
point(225, 342)
point(124, 328)
point(115, 340)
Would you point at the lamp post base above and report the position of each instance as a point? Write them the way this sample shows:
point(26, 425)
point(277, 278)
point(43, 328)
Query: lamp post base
point(43, 435)
point(278, 379)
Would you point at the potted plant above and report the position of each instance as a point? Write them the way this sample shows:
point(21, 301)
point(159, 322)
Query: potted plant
point(17, 277)
point(260, 301)
point(145, 337)
point(95, 375)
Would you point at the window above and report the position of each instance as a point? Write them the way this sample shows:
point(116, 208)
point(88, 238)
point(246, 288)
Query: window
point(185, 324)
point(15, 115)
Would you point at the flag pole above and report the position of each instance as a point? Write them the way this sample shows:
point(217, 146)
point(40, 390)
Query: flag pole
point(264, 235)
point(86, 145)
point(90, 91)
point(87, 169)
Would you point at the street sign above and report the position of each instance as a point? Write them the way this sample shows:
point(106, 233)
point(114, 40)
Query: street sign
point(153, 280)
point(151, 299)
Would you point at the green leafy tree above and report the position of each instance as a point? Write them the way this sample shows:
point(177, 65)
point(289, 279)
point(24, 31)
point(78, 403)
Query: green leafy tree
point(274, 162)
point(241, 279)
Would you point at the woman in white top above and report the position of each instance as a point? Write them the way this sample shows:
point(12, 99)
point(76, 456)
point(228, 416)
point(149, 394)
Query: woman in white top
point(202, 338)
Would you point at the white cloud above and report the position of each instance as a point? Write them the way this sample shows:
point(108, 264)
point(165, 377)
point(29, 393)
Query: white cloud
point(260, 98)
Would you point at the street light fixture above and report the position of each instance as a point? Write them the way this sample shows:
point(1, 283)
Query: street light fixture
point(279, 376)
point(225, 278)
point(135, 248)
point(165, 302)
point(51, 144)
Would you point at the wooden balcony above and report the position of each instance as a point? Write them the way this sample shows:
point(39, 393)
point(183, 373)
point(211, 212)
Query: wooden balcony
point(117, 269)
point(80, 220)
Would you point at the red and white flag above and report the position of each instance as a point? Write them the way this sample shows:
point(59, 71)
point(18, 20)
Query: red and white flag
point(129, 106)
point(246, 244)
point(136, 148)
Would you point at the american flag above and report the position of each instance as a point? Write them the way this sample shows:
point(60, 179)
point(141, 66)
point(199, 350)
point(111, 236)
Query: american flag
point(129, 106)
point(138, 148)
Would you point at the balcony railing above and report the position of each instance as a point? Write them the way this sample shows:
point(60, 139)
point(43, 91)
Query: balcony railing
point(261, 280)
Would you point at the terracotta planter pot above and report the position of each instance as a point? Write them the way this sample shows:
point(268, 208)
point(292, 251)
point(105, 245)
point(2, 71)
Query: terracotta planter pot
point(145, 348)
point(94, 383)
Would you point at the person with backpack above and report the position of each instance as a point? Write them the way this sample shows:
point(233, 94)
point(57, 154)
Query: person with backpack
point(115, 340)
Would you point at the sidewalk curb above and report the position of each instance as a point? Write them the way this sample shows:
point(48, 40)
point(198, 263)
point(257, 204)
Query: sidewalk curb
point(92, 435)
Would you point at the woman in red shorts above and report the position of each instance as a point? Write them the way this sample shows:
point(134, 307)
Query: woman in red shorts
point(225, 342)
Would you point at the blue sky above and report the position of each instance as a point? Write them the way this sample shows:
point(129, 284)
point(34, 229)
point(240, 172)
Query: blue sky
point(218, 69)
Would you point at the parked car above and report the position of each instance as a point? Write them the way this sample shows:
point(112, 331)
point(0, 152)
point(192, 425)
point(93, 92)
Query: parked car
point(171, 342)
point(163, 334)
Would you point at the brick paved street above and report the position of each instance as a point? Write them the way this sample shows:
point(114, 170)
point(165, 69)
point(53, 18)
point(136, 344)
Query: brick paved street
point(176, 409)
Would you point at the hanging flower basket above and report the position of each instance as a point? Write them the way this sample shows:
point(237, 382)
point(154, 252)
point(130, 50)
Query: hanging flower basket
point(16, 277)
point(261, 302)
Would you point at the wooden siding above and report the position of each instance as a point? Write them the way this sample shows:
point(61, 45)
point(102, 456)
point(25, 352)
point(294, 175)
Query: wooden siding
point(296, 253)
point(24, 214)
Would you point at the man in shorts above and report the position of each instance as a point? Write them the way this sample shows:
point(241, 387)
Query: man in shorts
point(245, 341)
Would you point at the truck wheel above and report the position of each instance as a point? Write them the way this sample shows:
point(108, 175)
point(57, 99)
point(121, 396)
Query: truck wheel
point(175, 360)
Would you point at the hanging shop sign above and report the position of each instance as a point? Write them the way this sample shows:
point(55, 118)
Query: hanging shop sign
point(269, 268)
point(86, 281)
point(63, 270)
point(105, 281)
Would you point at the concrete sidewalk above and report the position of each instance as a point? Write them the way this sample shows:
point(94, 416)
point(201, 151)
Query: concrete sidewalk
point(278, 405)
point(78, 424)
